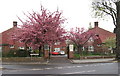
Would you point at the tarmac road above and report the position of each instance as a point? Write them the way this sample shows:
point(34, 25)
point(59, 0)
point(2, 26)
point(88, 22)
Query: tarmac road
point(61, 67)
point(96, 68)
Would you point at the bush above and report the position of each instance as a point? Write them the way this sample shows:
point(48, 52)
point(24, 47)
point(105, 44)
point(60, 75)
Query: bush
point(22, 53)
point(12, 53)
point(16, 53)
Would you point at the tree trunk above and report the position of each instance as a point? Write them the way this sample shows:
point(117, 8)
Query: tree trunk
point(80, 51)
point(40, 51)
point(25, 46)
point(118, 31)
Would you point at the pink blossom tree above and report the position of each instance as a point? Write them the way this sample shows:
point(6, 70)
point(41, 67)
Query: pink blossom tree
point(79, 37)
point(41, 28)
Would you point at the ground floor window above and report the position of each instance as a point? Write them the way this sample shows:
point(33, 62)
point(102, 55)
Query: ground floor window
point(83, 48)
point(90, 48)
point(11, 46)
point(21, 48)
point(0, 49)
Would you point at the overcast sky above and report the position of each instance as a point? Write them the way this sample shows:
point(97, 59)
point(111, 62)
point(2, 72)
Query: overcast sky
point(77, 12)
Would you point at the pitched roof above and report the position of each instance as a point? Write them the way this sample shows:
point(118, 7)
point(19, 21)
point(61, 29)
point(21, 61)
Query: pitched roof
point(103, 34)
point(5, 36)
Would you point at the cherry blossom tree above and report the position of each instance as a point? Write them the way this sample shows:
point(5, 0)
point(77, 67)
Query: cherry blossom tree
point(79, 37)
point(41, 28)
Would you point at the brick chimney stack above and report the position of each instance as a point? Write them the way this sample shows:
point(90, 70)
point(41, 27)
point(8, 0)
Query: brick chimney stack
point(95, 24)
point(14, 23)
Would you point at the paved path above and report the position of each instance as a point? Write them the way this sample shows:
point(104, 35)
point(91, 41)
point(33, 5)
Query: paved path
point(63, 60)
point(57, 60)
point(94, 60)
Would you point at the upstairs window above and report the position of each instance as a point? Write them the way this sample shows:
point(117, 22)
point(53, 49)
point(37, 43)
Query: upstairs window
point(57, 43)
point(90, 39)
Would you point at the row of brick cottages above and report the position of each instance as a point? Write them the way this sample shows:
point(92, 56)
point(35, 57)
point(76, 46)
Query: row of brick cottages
point(92, 45)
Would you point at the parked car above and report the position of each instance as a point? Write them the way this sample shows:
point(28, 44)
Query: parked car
point(62, 52)
point(58, 53)
point(55, 53)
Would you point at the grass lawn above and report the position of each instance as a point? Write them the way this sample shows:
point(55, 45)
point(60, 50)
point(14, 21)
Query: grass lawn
point(92, 55)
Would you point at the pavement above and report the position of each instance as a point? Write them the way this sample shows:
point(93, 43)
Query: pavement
point(65, 60)
point(93, 60)
point(61, 61)
point(11, 63)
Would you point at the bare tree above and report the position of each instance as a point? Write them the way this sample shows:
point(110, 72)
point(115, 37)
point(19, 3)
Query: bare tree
point(110, 8)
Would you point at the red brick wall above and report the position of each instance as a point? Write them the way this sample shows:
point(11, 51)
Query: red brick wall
point(6, 39)
point(103, 35)
point(62, 46)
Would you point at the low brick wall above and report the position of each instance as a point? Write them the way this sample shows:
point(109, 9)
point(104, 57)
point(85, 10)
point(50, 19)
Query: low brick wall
point(22, 59)
point(97, 57)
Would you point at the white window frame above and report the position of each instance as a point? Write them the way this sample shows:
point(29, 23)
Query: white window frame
point(83, 48)
point(90, 48)
point(11, 46)
point(21, 48)
point(30, 48)
point(57, 43)
point(0, 49)
point(90, 39)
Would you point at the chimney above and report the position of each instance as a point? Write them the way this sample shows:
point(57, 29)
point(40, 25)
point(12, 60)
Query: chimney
point(95, 24)
point(14, 23)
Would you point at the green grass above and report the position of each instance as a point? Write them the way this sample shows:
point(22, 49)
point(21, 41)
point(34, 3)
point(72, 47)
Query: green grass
point(78, 55)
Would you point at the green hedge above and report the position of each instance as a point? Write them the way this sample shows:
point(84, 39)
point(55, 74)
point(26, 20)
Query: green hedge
point(16, 53)
point(20, 53)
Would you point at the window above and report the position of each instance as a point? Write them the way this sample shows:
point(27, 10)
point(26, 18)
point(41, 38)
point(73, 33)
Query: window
point(0, 49)
point(63, 47)
point(20, 41)
point(11, 46)
point(21, 48)
point(29, 48)
point(98, 45)
point(83, 48)
point(57, 43)
point(57, 49)
point(90, 48)
point(90, 39)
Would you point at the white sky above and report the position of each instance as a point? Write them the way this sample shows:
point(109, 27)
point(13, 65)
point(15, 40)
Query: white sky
point(77, 12)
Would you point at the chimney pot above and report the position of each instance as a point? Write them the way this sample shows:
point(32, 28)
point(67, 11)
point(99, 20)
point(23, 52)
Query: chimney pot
point(14, 23)
point(95, 24)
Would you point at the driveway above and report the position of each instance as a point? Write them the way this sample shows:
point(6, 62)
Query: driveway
point(62, 59)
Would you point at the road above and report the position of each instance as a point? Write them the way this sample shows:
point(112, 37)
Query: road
point(96, 68)
point(61, 65)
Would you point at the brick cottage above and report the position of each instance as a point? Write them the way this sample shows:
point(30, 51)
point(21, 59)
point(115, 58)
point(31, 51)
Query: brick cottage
point(92, 45)
point(97, 44)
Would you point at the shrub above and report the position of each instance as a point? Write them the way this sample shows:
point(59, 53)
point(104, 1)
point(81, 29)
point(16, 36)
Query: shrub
point(22, 53)
point(12, 53)
point(16, 53)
